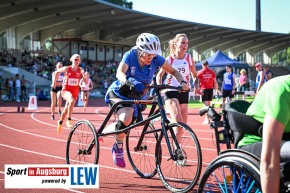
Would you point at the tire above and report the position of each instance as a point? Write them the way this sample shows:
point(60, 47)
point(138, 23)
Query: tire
point(180, 175)
point(80, 138)
point(231, 172)
point(143, 160)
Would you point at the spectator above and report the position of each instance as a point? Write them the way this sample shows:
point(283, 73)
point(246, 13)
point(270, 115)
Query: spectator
point(228, 86)
point(207, 78)
point(243, 79)
point(268, 73)
point(105, 85)
point(11, 88)
point(23, 89)
point(17, 88)
point(41, 96)
point(260, 78)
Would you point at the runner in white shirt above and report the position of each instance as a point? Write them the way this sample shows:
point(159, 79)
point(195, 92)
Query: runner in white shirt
point(55, 93)
point(85, 90)
point(177, 103)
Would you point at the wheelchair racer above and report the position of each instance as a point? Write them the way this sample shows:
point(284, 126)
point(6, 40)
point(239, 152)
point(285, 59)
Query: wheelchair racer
point(272, 108)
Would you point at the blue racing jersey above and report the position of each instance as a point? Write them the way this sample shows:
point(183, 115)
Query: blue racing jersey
point(259, 78)
point(143, 75)
point(228, 81)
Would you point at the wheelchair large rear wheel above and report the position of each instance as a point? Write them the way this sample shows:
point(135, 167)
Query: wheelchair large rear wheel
point(231, 172)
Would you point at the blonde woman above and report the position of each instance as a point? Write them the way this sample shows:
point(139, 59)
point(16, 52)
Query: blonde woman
point(242, 81)
point(70, 91)
point(85, 90)
point(55, 93)
point(177, 103)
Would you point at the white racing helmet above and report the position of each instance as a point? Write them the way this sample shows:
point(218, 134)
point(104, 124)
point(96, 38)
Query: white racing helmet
point(148, 43)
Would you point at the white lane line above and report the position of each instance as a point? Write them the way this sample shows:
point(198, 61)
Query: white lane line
point(33, 117)
point(57, 157)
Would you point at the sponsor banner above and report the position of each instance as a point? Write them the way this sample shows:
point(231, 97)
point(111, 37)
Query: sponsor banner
point(51, 176)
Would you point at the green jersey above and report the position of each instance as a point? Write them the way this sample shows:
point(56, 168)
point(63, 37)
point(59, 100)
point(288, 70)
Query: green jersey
point(273, 99)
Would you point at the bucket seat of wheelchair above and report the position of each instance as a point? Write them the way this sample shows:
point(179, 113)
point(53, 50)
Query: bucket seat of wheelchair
point(239, 122)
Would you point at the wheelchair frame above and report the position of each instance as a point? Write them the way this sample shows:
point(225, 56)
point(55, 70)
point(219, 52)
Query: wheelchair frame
point(233, 159)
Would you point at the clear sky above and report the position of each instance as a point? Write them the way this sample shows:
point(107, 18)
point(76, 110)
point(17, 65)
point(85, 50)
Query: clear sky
point(241, 14)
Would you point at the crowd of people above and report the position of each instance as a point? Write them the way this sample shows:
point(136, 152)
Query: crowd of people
point(101, 74)
point(14, 88)
point(43, 63)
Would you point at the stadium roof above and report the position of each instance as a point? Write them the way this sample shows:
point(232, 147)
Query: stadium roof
point(96, 20)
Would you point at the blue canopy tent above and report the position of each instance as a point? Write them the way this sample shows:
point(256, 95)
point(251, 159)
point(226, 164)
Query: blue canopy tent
point(218, 62)
point(219, 59)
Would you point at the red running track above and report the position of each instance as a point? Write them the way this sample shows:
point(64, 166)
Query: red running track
point(31, 138)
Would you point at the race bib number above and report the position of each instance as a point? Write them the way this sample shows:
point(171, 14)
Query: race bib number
point(228, 81)
point(181, 70)
point(59, 78)
point(73, 82)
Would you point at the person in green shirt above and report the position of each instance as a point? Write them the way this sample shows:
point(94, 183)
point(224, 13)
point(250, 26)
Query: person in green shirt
point(272, 108)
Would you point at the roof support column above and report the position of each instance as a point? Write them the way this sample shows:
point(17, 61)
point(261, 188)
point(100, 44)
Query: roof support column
point(213, 51)
point(11, 38)
point(266, 58)
point(231, 53)
point(195, 54)
point(23, 42)
point(249, 57)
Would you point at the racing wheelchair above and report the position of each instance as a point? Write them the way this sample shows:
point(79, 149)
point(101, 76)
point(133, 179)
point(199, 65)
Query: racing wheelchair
point(236, 170)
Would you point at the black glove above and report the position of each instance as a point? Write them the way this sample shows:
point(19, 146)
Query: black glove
point(127, 88)
point(130, 85)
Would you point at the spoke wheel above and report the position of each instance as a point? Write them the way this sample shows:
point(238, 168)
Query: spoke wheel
point(181, 173)
point(81, 136)
point(231, 173)
point(142, 160)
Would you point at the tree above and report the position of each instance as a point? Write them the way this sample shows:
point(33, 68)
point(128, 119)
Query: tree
point(282, 57)
point(123, 3)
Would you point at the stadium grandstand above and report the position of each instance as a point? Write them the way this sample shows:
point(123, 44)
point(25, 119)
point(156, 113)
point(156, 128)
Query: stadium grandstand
point(36, 34)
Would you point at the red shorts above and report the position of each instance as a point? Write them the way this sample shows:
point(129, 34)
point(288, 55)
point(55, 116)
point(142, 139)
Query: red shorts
point(73, 91)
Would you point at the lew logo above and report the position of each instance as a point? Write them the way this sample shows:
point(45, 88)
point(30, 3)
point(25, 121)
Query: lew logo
point(84, 176)
point(51, 176)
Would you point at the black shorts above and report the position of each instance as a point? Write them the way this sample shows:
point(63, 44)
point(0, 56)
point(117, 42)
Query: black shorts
point(58, 88)
point(23, 88)
point(228, 93)
point(182, 97)
point(207, 94)
point(112, 95)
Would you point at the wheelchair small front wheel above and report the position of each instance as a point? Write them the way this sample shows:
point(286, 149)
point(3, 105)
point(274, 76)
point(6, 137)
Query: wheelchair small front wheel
point(82, 145)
